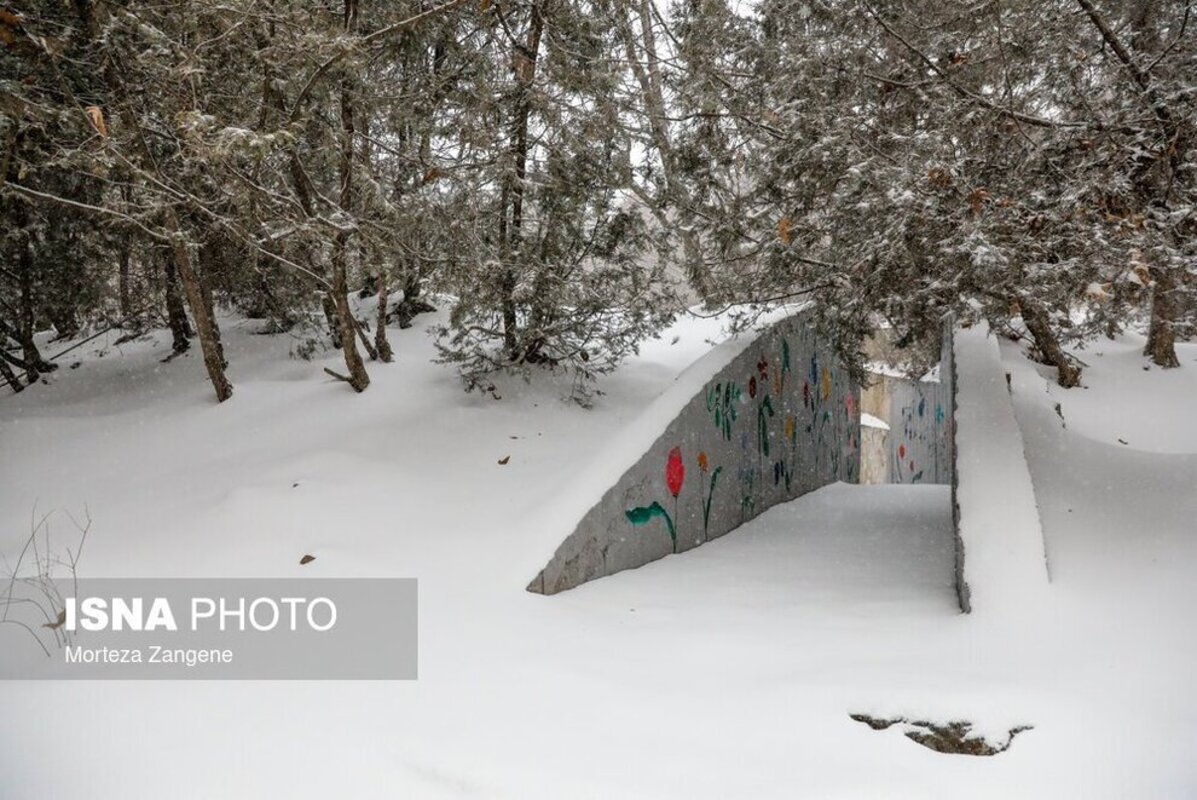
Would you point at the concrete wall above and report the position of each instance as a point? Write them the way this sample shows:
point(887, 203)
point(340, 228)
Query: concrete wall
point(874, 398)
point(874, 450)
point(918, 413)
point(781, 419)
point(920, 449)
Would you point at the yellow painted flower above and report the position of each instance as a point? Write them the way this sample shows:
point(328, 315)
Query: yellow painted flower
point(703, 463)
point(826, 383)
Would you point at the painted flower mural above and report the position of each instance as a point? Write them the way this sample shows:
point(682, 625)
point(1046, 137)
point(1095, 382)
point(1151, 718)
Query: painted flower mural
point(675, 472)
point(704, 465)
point(642, 515)
point(722, 400)
point(675, 476)
point(785, 415)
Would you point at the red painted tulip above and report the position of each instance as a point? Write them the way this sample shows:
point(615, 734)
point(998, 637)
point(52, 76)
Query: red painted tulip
point(675, 472)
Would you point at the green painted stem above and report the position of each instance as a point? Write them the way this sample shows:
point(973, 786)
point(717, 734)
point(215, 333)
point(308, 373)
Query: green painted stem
point(642, 515)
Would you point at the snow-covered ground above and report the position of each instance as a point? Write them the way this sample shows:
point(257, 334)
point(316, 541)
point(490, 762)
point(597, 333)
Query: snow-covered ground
point(729, 671)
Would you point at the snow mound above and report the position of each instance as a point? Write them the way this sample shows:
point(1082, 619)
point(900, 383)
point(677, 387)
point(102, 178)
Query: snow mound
point(1126, 401)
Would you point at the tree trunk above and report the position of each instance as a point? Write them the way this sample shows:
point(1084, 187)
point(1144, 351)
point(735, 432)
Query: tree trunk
point(205, 323)
point(646, 69)
point(358, 378)
point(274, 100)
point(126, 304)
point(35, 365)
point(382, 348)
point(31, 369)
point(9, 377)
point(507, 286)
point(346, 328)
point(176, 314)
point(1152, 186)
point(511, 232)
point(124, 258)
point(208, 254)
point(1039, 326)
point(385, 353)
point(65, 321)
point(1161, 335)
point(411, 304)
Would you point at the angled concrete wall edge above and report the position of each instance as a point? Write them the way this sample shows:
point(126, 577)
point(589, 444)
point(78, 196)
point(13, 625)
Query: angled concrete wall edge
point(1002, 562)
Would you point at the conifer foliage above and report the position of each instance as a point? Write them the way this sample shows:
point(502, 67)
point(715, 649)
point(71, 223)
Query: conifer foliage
point(563, 176)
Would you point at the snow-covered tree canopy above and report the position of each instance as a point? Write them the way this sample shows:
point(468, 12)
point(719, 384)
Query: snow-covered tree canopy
point(566, 174)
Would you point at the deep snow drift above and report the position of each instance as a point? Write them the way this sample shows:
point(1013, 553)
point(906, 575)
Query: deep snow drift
point(729, 671)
